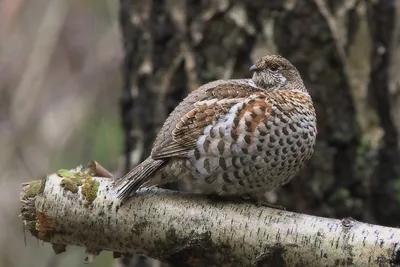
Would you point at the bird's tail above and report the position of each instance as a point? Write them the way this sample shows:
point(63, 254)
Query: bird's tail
point(134, 179)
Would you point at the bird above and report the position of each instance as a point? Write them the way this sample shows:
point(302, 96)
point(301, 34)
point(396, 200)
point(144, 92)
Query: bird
point(235, 137)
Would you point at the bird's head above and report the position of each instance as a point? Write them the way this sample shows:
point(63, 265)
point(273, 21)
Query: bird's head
point(274, 72)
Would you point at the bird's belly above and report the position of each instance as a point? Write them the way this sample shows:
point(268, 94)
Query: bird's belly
point(240, 167)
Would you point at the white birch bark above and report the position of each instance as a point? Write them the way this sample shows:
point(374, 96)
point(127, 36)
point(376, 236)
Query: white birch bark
point(191, 230)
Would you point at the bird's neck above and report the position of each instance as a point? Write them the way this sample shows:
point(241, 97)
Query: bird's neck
point(297, 85)
point(283, 84)
point(266, 83)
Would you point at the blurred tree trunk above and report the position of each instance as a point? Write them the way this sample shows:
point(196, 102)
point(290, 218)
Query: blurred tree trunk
point(347, 53)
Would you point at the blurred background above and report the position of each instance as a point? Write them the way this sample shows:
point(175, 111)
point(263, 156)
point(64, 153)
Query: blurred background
point(83, 80)
point(60, 80)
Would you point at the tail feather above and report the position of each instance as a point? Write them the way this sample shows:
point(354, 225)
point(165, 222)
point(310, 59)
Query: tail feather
point(134, 179)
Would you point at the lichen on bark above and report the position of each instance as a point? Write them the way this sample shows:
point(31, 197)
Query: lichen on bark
point(36, 187)
point(71, 180)
point(89, 189)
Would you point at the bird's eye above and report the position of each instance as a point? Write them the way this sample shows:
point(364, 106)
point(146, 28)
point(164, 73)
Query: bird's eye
point(274, 68)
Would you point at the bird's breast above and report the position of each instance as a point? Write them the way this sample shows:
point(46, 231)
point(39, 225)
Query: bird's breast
point(258, 144)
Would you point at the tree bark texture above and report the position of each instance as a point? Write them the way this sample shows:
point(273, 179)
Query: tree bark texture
point(73, 208)
point(347, 53)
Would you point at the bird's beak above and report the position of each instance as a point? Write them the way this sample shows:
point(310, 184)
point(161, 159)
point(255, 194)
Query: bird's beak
point(253, 68)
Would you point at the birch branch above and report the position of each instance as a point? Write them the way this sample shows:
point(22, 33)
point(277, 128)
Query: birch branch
point(74, 208)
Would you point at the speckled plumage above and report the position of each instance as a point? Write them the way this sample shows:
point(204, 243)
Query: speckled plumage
point(234, 137)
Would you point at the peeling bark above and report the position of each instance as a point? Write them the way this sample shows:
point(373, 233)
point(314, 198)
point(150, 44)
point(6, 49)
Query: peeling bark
point(193, 230)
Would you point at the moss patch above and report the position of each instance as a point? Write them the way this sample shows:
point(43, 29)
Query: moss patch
point(71, 180)
point(72, 183)
point(89, 190)
point(35, 187)
point(65, 173)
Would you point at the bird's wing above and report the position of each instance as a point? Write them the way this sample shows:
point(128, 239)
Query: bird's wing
point(206, 111)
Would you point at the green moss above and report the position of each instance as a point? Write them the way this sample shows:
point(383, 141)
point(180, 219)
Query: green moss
point(71, 180)
point(35, 187)
point(65, 173)
point(89, 190)
point(72, 183)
